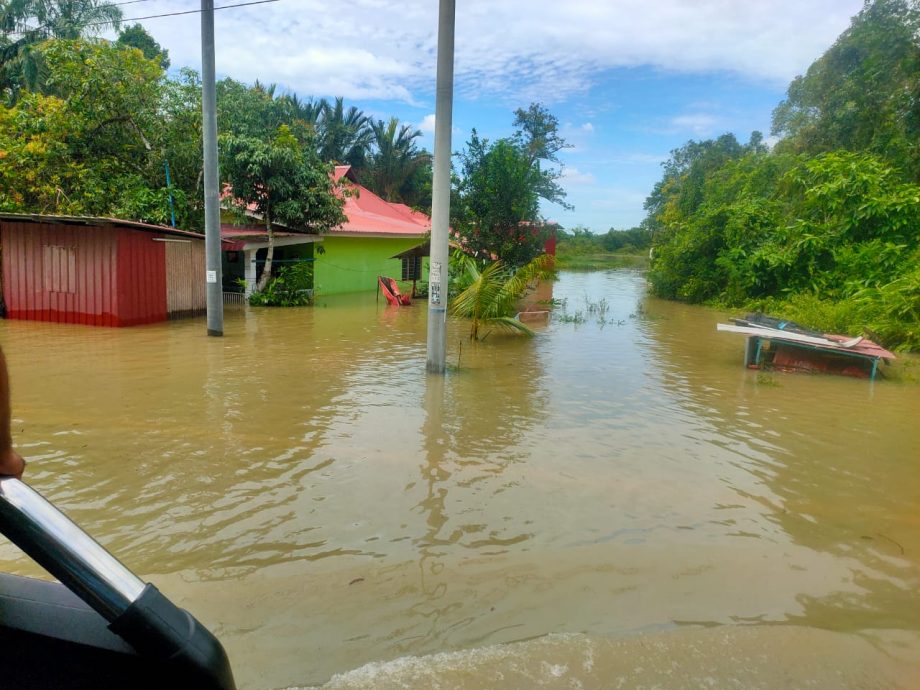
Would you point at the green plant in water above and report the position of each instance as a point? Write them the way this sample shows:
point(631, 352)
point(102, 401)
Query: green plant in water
point(291, 288)
point(576, 318)
point(490, 295)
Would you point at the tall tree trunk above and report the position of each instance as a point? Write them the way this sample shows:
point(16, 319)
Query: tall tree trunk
point(269, 253)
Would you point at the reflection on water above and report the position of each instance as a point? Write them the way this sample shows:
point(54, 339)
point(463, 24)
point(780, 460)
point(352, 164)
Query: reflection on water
point(321, 503)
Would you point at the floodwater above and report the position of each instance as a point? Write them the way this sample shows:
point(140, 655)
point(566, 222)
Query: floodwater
point(616, 502)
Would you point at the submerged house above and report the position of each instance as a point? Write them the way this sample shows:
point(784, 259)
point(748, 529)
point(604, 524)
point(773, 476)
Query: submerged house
point(347, 258)
point(362, 248)
point(99, 271)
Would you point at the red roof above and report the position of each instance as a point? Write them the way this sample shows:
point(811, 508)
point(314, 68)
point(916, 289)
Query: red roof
point(366, 213)
point(369, 214)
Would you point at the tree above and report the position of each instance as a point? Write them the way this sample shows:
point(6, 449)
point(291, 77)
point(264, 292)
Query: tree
point(539, 132)
point(344, 135)
point(538, 136)
point(89, 145)
point(496, 200)
point(136, 36)
point(491, 294)
point(394, 162)
point(497, 205)
point(36, 21)
point(281, 181)
point(863, 94)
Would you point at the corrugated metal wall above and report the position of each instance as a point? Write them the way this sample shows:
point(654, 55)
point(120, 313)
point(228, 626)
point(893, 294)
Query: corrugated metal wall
point(141, 278)
point(59, 273)
point(186, 292)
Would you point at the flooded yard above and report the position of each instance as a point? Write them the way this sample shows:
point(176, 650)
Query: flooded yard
point(619, 483)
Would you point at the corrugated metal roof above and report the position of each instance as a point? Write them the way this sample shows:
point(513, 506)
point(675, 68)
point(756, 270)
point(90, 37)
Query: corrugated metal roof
point(369, 214)
point(99, 221)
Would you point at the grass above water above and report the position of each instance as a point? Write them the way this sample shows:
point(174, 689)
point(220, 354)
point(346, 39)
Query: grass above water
point(599, 261)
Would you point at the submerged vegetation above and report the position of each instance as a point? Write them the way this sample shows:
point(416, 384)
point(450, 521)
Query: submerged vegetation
point(292, 287)
point(825, 227)
point(488, 294)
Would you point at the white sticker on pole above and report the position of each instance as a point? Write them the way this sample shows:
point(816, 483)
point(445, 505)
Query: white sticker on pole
point(434, 283)
point(210, 276)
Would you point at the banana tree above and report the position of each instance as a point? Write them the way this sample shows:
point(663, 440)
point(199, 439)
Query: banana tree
point(490, 295)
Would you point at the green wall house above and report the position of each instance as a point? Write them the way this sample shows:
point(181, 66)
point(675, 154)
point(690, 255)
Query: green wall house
point(352, 264)
point(346, 259)
point(351, 256)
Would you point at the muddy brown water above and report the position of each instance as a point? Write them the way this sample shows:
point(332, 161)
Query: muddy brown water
point(614, 503)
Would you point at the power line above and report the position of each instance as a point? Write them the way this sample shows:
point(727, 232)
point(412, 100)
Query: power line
point(28, 29)
point(176, 14)
point(129, 2)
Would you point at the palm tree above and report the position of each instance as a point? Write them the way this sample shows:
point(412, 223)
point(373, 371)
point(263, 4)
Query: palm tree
point(344, 136)
point(308, 112)
point(394, 161)
point(491, 295)
point(26, 23)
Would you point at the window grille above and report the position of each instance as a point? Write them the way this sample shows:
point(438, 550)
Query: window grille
point(412, 268)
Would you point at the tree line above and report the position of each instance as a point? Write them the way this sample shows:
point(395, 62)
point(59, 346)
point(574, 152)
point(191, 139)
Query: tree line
point(99, 128)
point(824, 226)
point(93, 127)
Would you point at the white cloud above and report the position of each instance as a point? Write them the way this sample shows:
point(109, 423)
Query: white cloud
point(700, 124)
point(587, 128)
point(427, 124)
point(574, 176)
point(522, 49)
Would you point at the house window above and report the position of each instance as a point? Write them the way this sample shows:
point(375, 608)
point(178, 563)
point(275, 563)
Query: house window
point(59, 265)
point(412, 268)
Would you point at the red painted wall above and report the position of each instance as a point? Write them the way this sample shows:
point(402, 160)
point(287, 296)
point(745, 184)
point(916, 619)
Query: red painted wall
point(141, 278)
point(100, 276)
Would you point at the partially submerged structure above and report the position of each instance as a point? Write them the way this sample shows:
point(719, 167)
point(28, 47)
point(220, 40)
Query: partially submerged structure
point(785, 346)
point(99, 271)
point(347, 258)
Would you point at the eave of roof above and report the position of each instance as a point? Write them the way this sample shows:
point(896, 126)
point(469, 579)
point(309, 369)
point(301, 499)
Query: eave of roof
point(99, 221)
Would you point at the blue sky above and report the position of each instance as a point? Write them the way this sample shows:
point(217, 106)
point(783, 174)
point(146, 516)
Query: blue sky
point(629, 80)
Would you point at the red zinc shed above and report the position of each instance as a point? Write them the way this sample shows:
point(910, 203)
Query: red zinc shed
point(99, 271)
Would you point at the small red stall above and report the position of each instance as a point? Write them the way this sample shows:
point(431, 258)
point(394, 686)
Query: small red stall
point(99, 271)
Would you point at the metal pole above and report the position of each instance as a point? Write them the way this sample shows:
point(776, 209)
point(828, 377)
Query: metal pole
point(440, 205)
point(211, 181)
point(172, 206)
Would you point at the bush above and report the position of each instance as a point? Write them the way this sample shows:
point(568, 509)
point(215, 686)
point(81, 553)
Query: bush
point(291, 288)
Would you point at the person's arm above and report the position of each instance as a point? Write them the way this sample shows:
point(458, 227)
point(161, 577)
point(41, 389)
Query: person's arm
point(11, 462)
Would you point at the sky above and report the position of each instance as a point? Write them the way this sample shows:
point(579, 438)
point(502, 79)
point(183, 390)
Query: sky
point(628, 80)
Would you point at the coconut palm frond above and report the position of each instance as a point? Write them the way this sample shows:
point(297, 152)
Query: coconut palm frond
point(492, 294)
point(516, 286)
point(512, 324)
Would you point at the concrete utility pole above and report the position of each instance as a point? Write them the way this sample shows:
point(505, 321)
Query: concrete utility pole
point(440, 203)
point(211, 180)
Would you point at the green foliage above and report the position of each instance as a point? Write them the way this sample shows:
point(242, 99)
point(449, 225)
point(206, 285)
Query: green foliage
point(282, 181)
point(496, 199)
point(499, 201)
point(344, 135)
point(863, 94)
point(395, 168)
point(37, 21)
point(581, 241)
point(291, 288)
point(823, 229)
point(136, 36)
point(489, 295)
point(89, 143)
